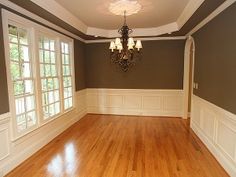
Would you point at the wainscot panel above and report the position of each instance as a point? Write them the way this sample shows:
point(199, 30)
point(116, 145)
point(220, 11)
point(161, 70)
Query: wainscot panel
point(135, 102)
point(216, 127)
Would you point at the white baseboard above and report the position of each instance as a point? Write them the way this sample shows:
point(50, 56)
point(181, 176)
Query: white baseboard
point(216, 127)
point(135, 102)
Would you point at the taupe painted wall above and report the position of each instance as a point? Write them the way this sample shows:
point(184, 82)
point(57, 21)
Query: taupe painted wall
point(215, 63)
point(4, 105)
point(79, 55)
point(161, 67)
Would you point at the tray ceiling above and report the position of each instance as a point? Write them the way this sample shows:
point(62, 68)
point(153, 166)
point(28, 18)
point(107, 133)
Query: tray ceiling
point(154, 13)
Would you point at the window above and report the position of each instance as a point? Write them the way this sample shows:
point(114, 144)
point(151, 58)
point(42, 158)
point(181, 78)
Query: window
point(22, 78)
point(40, 76)
point(49, 77)
point(67, 76)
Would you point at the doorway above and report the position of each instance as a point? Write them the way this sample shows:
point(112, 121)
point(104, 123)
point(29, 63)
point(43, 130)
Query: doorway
point(189, 54)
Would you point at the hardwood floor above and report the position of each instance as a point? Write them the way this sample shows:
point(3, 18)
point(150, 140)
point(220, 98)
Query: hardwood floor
point(123, 146)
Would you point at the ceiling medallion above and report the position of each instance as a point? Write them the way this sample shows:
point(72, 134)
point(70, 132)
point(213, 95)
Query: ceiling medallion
point(130, 6)
point(124, 51)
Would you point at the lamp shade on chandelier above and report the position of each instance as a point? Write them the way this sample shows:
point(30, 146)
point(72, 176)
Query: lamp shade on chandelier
point(124, 50)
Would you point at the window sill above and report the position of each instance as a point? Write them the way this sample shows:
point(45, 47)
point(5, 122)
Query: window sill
point(35, 130)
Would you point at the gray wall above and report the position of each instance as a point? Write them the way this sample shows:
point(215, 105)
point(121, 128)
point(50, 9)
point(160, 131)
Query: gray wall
point(4, 105)
point(161, 67)
point(215, 63)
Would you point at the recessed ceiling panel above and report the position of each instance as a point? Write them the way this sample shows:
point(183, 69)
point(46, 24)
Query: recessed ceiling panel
point(153, 13)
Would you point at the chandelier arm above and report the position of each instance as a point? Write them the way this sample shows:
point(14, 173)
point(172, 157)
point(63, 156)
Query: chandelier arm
point(125, 57)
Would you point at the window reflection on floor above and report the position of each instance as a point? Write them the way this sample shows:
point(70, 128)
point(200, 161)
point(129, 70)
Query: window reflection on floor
point(64, 162)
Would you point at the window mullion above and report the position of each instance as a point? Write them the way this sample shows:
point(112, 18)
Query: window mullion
point(36, 64)
point(60, 73)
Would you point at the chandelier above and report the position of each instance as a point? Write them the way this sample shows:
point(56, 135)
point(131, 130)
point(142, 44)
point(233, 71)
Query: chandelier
point(124, 52)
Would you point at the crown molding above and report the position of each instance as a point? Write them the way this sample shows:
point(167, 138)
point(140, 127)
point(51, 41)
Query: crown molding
point(59, 11)
point(169, 28)
point(191, 7)
point(215, 13)
point(142, 39)
point(21, 10)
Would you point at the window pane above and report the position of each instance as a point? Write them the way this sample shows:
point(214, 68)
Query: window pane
point(26, 70)
point(45, 98)
point(66, 48)
point(30, 103)
point(67, 81)
point(50, 97)
point(52, 45)
point(57, 108)
point(15, 71)
point(14, 52)
point(50, 84)
point(46, 112)
point(31, 118)
point(46, 43)
point(66, 70)
point(44, 84)
point(51, 110)
point(68, 92)
point(56, 95)
point(65, 59)
point(20, 105)
point(24, 52)
point(56, 83)
point(46, 56)
point(21, 123)
point(18, 88)
point(47, 70)
point(53, 70)
point(68, 103)
point(29, 87)
point(53, 58)
point(23, 36)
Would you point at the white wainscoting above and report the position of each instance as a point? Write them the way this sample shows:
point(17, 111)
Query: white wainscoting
point(216, 127)
point(12, 153)
point(135, 102)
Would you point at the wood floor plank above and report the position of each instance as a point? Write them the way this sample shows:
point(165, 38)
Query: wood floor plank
point(123, 146)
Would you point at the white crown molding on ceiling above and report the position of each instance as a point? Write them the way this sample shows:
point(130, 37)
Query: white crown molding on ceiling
point(59, 11)
point(216, 12)
point(21, 10)
point(142, 39)
point(188, 11)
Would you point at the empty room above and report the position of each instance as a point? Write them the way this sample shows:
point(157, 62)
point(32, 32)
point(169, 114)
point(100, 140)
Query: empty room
point(117, 88)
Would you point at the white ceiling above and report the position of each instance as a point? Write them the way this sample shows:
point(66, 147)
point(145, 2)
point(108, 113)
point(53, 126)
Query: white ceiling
point(92, 17)
point(154, 13)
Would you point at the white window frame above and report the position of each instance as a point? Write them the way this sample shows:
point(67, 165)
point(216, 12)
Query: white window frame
point(71, 54)
point(34, 30)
